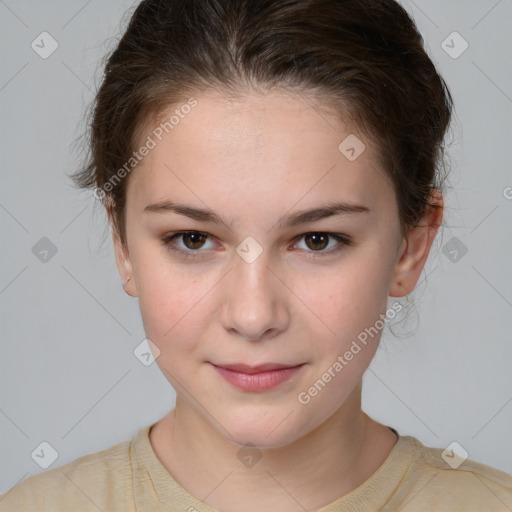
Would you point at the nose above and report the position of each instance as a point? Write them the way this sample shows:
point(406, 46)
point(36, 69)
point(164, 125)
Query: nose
point(255, 301)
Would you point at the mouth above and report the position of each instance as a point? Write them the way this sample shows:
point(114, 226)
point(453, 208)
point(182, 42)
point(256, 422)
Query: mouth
point(257, 378)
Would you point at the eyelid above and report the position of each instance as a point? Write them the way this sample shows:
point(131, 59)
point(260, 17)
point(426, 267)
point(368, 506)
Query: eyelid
point(342, 239)
point(168, 239)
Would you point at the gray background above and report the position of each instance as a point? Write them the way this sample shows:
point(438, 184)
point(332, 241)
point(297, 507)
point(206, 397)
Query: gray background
point(68, 331)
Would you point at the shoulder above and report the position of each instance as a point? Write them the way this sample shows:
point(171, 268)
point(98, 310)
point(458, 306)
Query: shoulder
point(441, 480)
point(92, 482)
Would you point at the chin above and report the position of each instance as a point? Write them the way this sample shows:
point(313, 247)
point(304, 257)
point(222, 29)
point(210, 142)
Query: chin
point(260, 429)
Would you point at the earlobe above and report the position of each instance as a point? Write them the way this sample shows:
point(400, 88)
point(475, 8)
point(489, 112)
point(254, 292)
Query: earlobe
point(415, 249)
point(124, 265)
point(397, 289)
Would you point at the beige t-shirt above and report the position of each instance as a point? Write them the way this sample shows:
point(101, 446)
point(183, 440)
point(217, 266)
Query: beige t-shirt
point(129, 477)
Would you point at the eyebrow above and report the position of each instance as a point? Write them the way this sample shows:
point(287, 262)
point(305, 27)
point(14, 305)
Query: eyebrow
point(294, 219)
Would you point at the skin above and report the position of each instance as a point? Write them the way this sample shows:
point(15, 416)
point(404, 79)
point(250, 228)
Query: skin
point(251, 161)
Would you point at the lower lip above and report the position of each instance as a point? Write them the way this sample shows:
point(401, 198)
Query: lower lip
point(257, 381)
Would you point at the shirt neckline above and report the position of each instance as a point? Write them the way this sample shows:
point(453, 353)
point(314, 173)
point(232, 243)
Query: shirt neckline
point(156, 489)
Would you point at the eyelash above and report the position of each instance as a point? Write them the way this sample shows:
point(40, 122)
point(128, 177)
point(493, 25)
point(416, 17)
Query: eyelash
point(343, 240)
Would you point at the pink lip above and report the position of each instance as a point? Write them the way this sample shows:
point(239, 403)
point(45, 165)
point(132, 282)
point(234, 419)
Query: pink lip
point(257, 378)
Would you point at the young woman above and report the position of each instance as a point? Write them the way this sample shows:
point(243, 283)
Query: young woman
point(271, 171)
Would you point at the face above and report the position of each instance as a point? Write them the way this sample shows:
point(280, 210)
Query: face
point(251, 283)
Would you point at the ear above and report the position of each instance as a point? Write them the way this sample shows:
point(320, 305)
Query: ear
point(123, 262)
point(415, 249)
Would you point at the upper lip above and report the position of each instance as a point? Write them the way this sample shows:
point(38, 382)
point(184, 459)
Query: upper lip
point(244, 368)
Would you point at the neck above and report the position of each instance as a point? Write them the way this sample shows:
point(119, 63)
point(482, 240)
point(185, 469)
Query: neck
point(310, 473)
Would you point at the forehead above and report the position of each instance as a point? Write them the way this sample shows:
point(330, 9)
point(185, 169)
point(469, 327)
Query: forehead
point(258, 146)
point(258, 122)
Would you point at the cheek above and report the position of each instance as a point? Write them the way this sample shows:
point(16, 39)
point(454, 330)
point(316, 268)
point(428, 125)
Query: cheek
point(170, 302)
point(344, 309)
point(348, 298)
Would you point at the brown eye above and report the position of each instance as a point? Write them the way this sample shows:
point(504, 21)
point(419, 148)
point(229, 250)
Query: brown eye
point(317, 244)
point(187, 243)
point(193, 240)
point(317, 241)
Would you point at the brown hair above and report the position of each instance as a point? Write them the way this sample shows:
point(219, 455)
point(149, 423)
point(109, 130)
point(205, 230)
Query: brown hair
point(365, 58)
